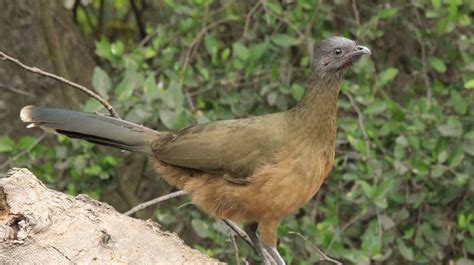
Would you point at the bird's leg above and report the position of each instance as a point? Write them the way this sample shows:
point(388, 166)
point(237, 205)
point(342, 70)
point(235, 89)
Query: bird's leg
point(273, 252)
point(267, 231)
point(251, 230)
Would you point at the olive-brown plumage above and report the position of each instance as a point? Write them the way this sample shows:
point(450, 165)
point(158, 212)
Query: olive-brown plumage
point(253, 171)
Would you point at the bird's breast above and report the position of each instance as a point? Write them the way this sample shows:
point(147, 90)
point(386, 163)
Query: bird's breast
point(294, 180)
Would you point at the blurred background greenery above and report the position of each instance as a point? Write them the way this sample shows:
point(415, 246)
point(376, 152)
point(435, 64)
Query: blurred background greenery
point(401, 191)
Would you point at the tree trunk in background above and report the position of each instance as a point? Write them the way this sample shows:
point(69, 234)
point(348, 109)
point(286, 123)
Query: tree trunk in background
point(42, 34)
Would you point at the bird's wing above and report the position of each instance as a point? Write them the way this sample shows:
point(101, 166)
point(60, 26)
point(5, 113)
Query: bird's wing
point(231, 148)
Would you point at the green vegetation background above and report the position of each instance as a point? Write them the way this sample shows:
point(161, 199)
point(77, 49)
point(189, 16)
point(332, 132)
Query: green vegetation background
point(402, 187)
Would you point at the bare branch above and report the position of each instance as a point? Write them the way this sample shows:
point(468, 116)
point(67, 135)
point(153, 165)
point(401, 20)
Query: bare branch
point(188, 54)
point(241, 233)
point(424, 69)
point(22, 153)
point(360, 118)
point(236, 249)
point(16, 90)
point(356, 12)
point(36, 70)
point(138, 19)
point(283, 19)
point(149, 203)
point(321, 254)
point(249, 16)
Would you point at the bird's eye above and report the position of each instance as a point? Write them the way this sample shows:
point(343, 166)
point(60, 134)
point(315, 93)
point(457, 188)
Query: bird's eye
point(338, 51)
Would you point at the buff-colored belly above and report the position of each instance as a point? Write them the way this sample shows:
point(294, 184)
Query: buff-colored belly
point(274, 191)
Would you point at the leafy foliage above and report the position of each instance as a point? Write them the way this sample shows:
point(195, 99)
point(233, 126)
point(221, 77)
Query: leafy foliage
point(402, 187)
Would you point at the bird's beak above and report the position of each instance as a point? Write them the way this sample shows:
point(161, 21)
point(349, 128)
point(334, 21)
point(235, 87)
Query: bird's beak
point(361, 50)
point(353, 56)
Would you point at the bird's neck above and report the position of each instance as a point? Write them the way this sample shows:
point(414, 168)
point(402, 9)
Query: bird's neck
point(314, 117)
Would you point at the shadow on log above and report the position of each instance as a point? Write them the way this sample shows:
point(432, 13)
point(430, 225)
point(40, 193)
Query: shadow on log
point(39, 225)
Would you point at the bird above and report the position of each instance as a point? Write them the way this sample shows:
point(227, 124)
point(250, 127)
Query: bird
point(252, 171)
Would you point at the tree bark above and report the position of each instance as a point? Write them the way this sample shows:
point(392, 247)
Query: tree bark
point(41, 34)
point(39, 225)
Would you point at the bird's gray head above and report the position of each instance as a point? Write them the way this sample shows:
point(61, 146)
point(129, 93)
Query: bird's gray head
point(334, 55)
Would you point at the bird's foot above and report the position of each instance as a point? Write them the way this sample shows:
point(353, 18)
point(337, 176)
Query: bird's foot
point(275, 257)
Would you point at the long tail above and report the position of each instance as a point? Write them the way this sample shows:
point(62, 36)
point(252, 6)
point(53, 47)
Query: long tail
point(92, 127)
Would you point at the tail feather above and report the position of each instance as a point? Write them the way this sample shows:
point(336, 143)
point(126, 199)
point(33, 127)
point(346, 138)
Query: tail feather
point(91, 127)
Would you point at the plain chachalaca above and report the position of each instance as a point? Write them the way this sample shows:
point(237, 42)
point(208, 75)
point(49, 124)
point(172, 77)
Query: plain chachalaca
point(253, 171)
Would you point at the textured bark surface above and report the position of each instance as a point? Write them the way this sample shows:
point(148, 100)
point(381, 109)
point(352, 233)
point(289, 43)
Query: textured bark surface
point(39, 225)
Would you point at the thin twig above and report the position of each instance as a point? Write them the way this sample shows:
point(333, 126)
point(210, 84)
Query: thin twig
point(190, 100)
point(100, 23)
point(16, 90)
point(241, 233)
point(149, 203)
point(356, 12)
point(344, 227)
point(36, 70)
point(424, 68)
point(22, 153)
point(284, 20)
point(138, 19)
point(249, 16)
point(236, 249)
point(321, 254)
point(197, 39)
point(188, 54)
point(360, 118)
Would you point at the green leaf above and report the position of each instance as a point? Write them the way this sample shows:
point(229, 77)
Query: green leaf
point(174, 97)
point(211, 44)
point(93, 170)
point(150, 89)
point(459, 103)
point(225, 54)
point(456, 157)
point(25, 142)
point(173, 119)
point(103, 49)
point(109, 160)
point(371, 243)
point(388, 12)
point(276, 8)
point(376, 107)
point(241, 51)
point(297, 91)
point(452, 128)
point(437, 64)
point(406, 252)
point(92, 105)
point(469, 84)
point(468, 147)
point(368, 190)
point(200, 227)
point(388, 75)
point(453, 10)
point(257, 51)
point(117, 48)
point(131, 81)
point(204, 73)
point(469, 244)
point(6, 144)
point(284, 40)
point(101, 82)
point(442, 156)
